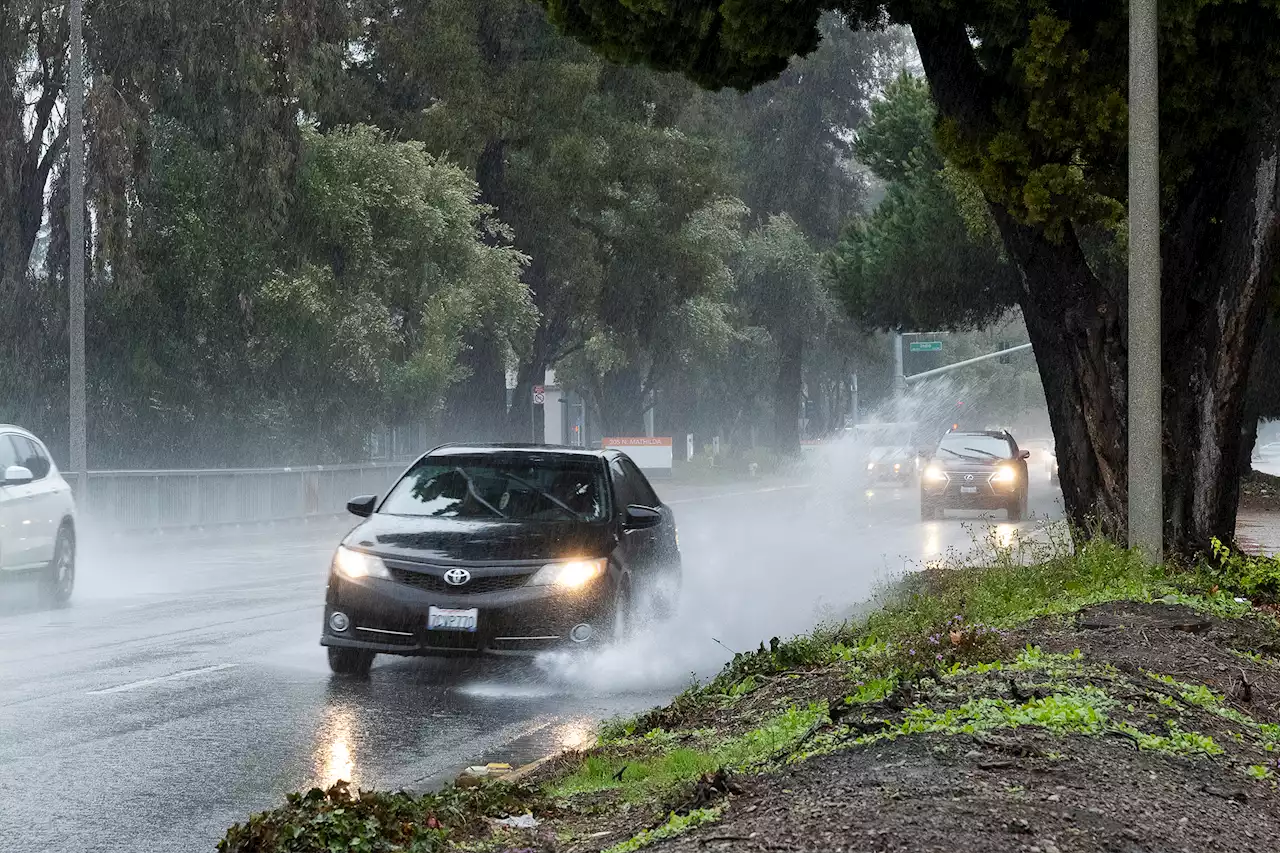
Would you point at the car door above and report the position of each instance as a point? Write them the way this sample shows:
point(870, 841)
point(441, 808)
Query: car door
point(46, 497)
point(33, 505)
point(634, 544)
point(15, 506)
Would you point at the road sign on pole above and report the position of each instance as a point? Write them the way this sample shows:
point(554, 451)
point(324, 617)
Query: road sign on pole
point(539, 395)
point(926, 346)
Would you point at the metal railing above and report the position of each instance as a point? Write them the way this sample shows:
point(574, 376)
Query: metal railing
point(129, 501)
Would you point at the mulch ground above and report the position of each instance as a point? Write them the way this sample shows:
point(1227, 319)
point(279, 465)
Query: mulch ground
point(1260, 493)
point(1021, 789)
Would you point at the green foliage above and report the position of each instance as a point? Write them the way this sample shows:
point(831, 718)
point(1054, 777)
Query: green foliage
point(639, 776)
point(371, 822)
point(927, 257)
point(1256, 577)
point(676, 825)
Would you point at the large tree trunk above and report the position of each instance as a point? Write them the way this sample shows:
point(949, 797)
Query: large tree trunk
point(1218, 261)
point(786, 393)
point(620, 401)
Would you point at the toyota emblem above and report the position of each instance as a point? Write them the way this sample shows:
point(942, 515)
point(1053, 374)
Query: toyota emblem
point(457, 577)
point(968, 476)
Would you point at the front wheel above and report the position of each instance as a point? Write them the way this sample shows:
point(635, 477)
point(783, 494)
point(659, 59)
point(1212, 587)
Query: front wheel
point(60, 577)
point(1018, 509)
point(928, 511)
point(354, 663)
point(623, 614)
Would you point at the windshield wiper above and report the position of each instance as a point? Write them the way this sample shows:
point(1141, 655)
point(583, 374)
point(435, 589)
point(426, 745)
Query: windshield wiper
point(960, 455)
point(573, 512)
point(471, 489)
point(985, 453)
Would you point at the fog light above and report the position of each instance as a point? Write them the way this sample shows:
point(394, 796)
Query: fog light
point(581, 633)
point(339, 622)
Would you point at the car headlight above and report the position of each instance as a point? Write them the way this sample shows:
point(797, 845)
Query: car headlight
point(871, 466)
point(571, 574)
point(934, 474)
point(897, 466)
point(358, 564)
point(1004, 474)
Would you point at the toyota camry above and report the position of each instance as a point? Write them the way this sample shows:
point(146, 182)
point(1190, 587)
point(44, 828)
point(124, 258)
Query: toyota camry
point(499, 549)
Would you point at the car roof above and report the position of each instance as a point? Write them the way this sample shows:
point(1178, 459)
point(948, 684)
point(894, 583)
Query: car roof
point(17, 429)
point(510, 448)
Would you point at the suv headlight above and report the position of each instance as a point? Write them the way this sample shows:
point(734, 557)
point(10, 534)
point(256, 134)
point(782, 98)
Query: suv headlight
point(1004, 474)
point(934, 474)
point(358, 564)
point(570, 574)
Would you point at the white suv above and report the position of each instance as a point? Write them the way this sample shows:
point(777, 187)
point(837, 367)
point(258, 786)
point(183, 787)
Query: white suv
point(37, 515)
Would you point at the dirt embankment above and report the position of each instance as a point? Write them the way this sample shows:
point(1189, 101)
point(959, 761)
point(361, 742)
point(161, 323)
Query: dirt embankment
point(1087, 703)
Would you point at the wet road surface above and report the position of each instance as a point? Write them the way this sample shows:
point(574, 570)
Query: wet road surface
point(184, 688)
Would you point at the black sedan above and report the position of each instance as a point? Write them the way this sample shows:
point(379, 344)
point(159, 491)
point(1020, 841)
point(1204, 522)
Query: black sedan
point(500, 549)
point(975, 470)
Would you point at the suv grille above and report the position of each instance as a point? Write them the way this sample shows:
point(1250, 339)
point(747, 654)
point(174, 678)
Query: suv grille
point(482, 584)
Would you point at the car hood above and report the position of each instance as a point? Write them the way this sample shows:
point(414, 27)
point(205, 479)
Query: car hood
point(472, 540)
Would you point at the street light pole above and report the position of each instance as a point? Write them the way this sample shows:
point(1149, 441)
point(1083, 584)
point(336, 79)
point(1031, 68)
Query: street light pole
point(75, 231)
point(1146, 504)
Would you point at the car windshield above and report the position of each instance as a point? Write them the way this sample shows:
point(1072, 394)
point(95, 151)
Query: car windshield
point(975, 447)
point(519, 488)
point(880, 454)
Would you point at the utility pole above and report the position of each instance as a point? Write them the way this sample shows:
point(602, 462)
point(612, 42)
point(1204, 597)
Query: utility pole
point(75, 230)
point(899, 377)
point(1146, 499)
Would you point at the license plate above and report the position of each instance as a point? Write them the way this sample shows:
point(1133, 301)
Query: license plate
point(446, 619)
point(968, 490)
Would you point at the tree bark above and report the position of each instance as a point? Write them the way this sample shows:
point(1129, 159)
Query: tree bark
point(1219, 261)
point(786, 393)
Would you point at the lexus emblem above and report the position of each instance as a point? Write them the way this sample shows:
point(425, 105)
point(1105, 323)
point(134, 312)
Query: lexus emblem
point(966, 476)
point(457, 577)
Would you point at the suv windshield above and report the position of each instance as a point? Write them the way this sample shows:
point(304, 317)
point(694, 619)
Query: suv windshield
point(975, 448)
point(516, 488)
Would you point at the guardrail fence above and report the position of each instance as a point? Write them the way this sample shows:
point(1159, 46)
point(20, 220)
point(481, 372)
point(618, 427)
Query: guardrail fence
point(129, 501)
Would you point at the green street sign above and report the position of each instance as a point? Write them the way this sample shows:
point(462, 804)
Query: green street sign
point(926, 346)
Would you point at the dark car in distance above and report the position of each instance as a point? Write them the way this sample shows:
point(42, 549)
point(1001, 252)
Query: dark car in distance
point(499, 549)
point(975, 470)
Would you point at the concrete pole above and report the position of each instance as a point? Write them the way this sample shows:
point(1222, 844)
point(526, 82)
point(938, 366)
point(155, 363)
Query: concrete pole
point(899, 377)
point(1146, 503)
point(75, 231)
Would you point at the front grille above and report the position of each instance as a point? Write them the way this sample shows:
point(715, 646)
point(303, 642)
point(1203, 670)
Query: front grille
point(481, 584)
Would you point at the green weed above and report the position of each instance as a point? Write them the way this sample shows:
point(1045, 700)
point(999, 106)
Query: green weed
point(675, 825)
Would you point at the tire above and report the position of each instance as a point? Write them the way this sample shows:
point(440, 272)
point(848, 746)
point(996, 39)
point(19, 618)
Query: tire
point(353, 663)
point(623, 614)
point(60, 577)
point(1018, 509)
point(929, 512)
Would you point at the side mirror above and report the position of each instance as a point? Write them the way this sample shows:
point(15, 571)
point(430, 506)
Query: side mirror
point(1026, 454)
point(362, 506)
point(16, 475)
point(642, 517)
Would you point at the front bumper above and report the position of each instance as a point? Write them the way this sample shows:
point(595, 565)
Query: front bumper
point(955, 494)
point(389, 617)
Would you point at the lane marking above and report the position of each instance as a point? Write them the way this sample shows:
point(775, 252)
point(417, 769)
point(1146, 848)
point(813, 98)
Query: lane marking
point(176, 676)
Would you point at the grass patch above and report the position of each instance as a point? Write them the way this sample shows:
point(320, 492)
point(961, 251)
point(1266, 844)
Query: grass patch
point(638, 777)
point(675, 825)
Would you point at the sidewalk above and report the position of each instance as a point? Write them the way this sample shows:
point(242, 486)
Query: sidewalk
point(1259, 532)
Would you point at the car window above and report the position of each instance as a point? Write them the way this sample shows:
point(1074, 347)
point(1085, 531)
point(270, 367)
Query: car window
point(8, 452)
point(31, 456)
point(515, 488)
point(640, 486)
point(975, 447)
point(622, 486)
